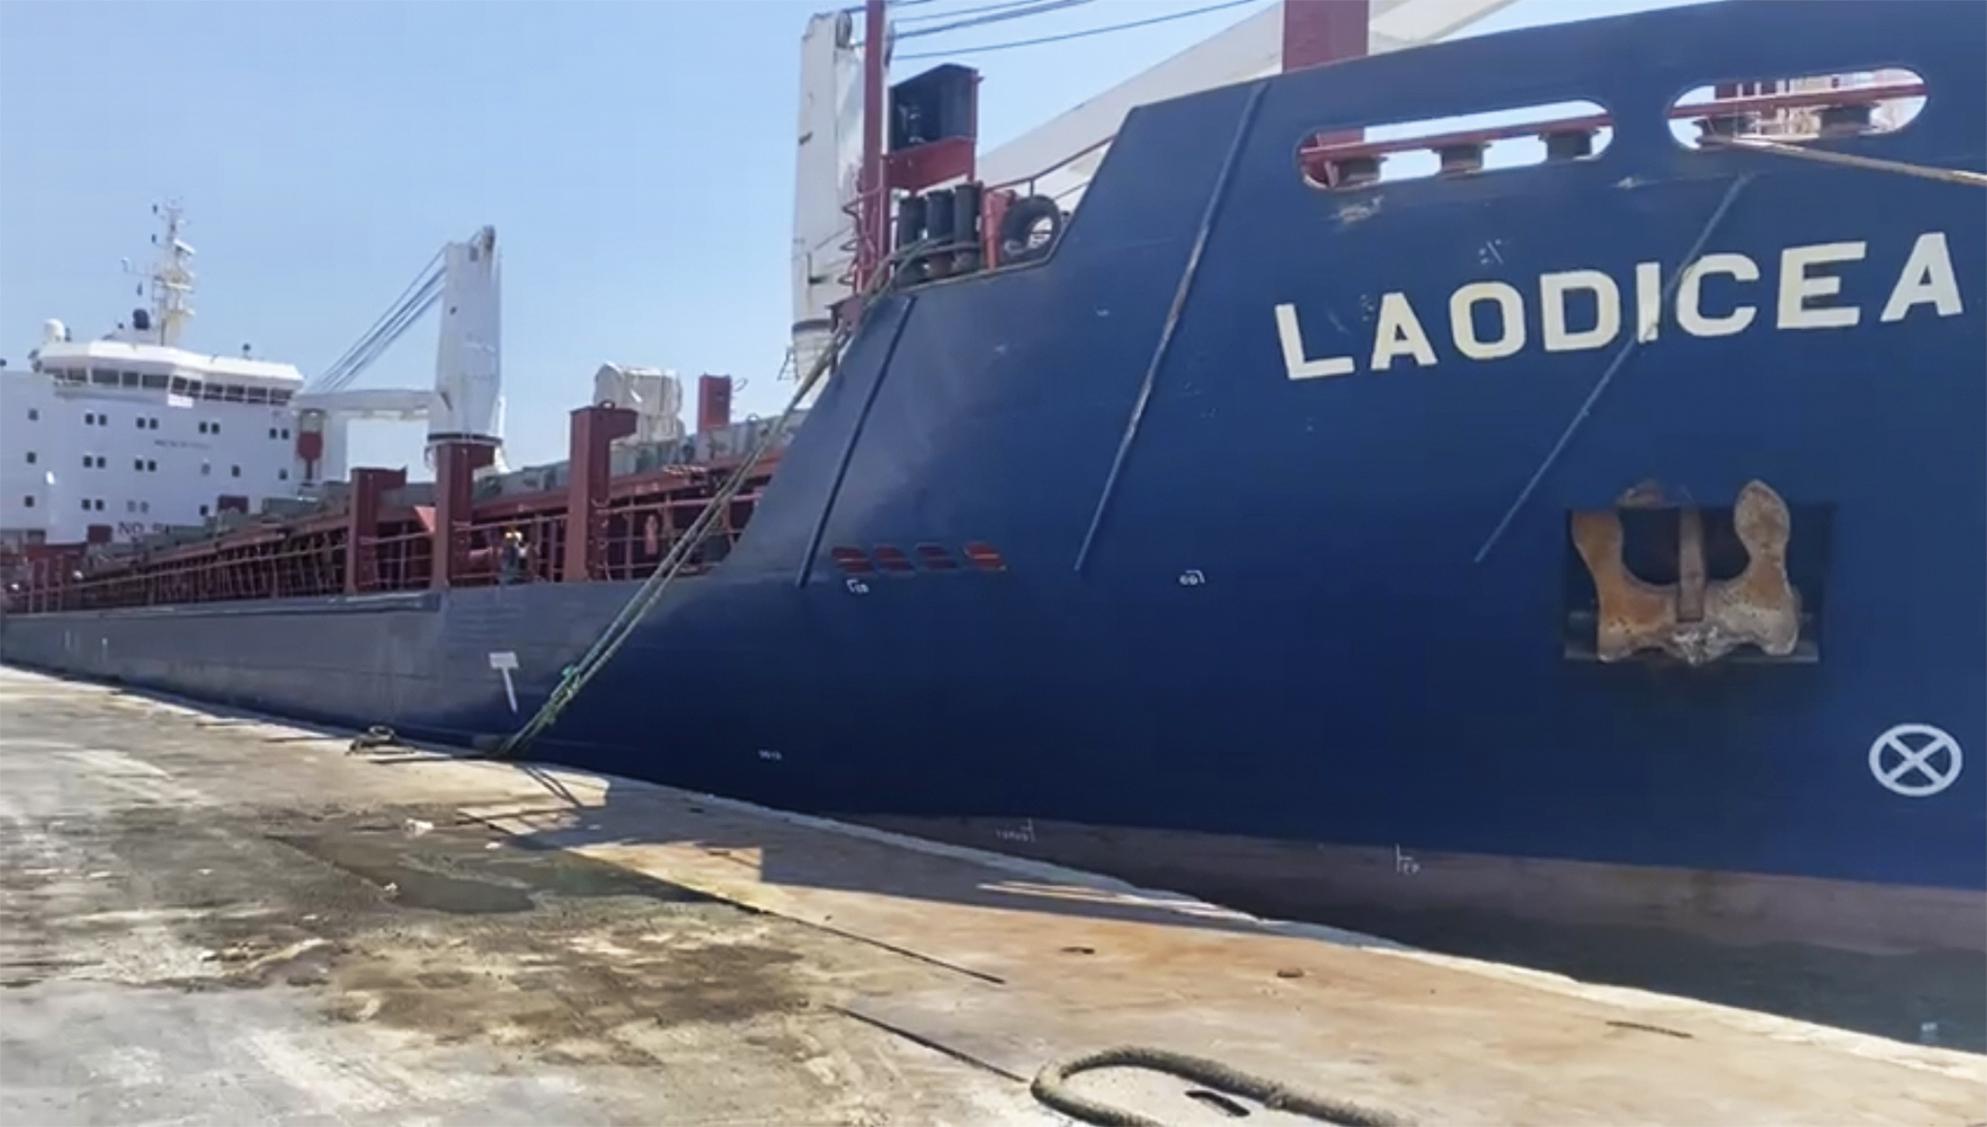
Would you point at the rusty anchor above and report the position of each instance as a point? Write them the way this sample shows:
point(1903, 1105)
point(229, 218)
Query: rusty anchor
point(1694, 619)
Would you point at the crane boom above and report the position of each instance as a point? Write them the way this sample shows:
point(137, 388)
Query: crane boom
point(465, 402)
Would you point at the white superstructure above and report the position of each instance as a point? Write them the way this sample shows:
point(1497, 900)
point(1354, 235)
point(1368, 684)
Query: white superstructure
point(126, 434)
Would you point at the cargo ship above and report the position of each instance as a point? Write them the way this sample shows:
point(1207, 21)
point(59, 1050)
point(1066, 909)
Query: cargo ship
point(1324, 513)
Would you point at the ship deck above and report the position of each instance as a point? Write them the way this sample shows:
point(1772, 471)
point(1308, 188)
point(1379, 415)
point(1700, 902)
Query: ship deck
point(214, 917)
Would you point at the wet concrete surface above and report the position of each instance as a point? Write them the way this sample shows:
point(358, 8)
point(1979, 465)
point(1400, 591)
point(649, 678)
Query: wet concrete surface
point(214, 918)
point(180, 946)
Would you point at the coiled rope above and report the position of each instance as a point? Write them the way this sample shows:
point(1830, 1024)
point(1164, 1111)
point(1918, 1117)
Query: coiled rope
point(1052, 1087)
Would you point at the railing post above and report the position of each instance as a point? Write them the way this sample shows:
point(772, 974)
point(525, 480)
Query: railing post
point(589, 481)
point(362, 526)
point(872, 194)
point(456, 464)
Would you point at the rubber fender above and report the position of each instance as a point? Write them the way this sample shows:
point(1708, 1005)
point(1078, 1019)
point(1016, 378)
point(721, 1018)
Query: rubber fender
point(1022, 217)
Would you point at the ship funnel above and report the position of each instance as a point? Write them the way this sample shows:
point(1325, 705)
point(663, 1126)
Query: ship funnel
point(53, 331)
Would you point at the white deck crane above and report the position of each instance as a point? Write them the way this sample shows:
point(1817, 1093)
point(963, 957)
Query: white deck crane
point(466, 403)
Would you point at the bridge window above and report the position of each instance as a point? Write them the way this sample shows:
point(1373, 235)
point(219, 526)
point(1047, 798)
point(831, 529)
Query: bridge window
point(131, 379)
point(155, 380)
point(258, 395)
point(103, 376)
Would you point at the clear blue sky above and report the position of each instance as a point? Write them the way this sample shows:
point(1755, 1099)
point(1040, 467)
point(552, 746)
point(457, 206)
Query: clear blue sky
point(635, 158)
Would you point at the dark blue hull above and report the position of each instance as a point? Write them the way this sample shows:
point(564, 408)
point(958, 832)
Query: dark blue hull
point(1250, 607)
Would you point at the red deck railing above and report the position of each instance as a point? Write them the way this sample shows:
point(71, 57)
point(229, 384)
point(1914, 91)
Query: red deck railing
point(646, 514)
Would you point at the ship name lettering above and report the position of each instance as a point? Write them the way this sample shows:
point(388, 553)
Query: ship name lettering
point(1718, 295)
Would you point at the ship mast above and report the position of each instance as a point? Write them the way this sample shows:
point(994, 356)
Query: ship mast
point(172, 276)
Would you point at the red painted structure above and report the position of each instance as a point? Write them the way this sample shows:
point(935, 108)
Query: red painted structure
point(369, 487)
point(590, 487)
point(872, 195)
point(382, 538)
point(456, 464)
point(713, 403)
point(1316, 32)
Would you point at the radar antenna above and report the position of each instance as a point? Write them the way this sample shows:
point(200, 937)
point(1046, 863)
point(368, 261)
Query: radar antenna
point(172, 275)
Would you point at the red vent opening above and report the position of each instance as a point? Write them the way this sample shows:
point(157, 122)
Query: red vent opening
point(892, 559)
point(852, 560)
point(935, 557)
point(985, 556)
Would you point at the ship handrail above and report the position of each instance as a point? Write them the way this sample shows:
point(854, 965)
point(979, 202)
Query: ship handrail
point(1720, 107)
point(1032, 177)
